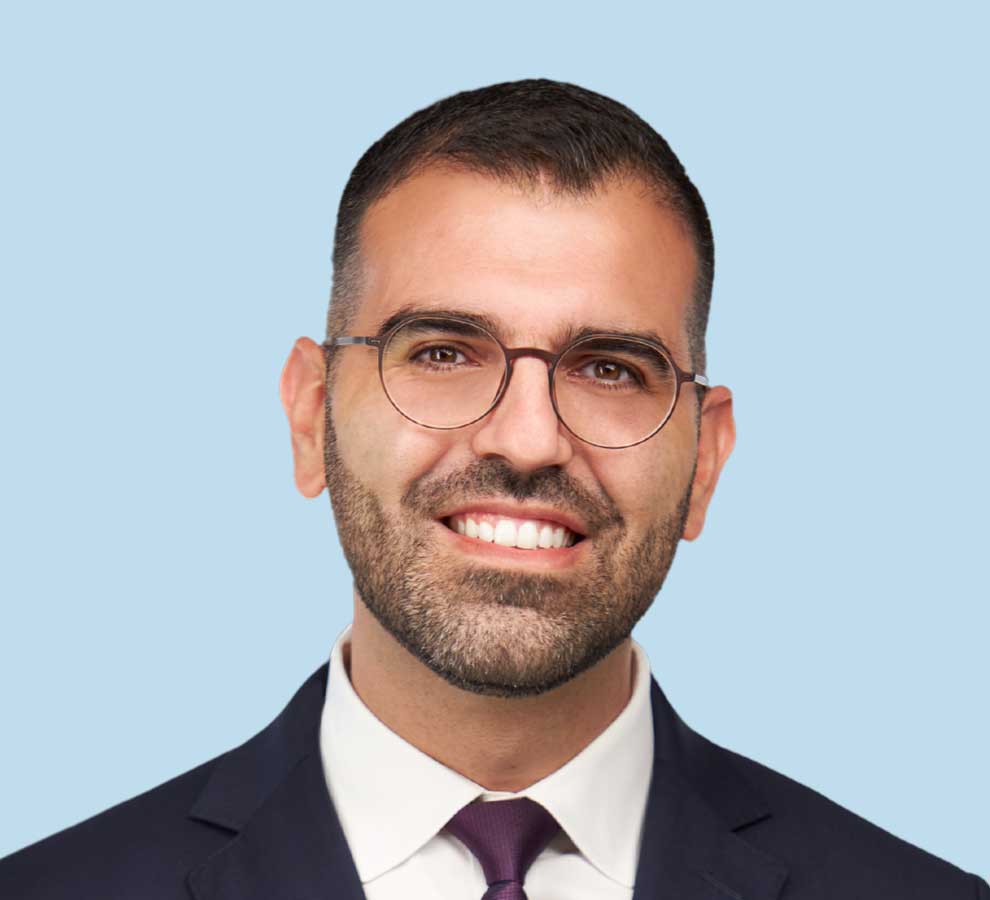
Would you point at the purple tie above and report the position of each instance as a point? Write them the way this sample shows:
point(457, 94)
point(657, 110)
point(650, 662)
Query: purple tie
point(505, 836)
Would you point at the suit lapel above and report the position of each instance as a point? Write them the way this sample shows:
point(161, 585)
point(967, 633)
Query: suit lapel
point(286, 840)
point(292, 848)
point(697, 801)
point(272, 794)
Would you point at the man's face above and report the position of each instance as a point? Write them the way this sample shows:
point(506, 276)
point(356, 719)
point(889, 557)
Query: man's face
point(493, 619)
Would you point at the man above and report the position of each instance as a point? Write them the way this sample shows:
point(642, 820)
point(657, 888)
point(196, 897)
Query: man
point(511, 417)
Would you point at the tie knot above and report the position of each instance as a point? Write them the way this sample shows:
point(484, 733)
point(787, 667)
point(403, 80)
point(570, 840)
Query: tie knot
point(505, 835)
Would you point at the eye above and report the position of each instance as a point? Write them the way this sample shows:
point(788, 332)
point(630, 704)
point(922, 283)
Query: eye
point(439, 355)
point(608, 370)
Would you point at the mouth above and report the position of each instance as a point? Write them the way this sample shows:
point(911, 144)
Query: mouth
point(520, 530)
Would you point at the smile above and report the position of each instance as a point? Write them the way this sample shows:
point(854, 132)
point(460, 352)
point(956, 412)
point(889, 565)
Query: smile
point(507, 531)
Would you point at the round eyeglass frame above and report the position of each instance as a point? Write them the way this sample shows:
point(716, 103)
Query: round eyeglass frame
point(510, 355)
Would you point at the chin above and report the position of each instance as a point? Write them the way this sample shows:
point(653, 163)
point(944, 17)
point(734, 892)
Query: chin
point(504, 650)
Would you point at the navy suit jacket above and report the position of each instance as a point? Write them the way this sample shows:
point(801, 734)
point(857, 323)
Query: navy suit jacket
point(257, 823)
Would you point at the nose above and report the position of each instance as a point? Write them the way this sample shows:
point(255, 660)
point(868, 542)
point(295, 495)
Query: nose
point(523, 428)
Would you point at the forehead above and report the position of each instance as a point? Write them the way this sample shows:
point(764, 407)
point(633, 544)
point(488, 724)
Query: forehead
point(535, 262)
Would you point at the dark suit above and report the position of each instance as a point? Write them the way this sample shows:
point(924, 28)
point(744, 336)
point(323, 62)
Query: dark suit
point(257, 822)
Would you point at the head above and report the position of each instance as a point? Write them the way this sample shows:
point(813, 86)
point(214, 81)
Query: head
point(547, 209)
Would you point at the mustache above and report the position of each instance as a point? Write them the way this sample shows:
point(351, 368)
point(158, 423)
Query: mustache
point(487, 478)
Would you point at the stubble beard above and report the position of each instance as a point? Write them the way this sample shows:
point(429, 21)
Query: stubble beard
point(489, 630)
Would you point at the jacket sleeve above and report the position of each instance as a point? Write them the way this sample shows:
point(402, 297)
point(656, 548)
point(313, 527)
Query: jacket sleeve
point(982, 888)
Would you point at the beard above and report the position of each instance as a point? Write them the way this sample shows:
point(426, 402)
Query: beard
point(488, 630)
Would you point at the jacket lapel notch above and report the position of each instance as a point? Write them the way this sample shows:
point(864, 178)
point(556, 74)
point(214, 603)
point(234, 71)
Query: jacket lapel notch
point(689, 853)
point(272, 795)
point(697, 801)
point(291, 848)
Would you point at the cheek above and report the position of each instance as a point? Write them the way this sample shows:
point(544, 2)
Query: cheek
point(645, 481)
point(385, 451)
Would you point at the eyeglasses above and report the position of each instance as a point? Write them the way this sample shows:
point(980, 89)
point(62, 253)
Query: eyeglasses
point(609, 390)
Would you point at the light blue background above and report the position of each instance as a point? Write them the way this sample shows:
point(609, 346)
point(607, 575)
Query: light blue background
point(170, 182)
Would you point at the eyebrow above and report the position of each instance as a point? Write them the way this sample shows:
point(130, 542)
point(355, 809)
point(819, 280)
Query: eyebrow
point(566, 334)
point(411, 310)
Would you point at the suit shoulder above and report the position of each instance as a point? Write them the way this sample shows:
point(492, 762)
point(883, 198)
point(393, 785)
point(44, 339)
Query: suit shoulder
point(838, 852)
point(143, 846)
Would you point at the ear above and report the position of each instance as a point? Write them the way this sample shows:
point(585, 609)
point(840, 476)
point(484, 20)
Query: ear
point(301, 389)
point(716, 438)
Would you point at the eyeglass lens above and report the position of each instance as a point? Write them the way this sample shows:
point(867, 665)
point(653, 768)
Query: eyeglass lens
point(609, 391)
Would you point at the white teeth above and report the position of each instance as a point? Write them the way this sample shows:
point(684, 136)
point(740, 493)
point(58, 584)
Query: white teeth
point(546, 537)
point(526, 535)
point(505, 533)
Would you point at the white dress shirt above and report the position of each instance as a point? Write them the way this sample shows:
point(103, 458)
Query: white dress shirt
point(393, 802)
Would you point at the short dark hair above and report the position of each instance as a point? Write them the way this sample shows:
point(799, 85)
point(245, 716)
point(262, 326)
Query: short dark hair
point(527, 131)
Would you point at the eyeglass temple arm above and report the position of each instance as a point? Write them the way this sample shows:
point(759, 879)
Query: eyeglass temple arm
point(349, 341)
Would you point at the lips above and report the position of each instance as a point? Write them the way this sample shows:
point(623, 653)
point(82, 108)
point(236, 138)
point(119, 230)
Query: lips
point(512, 531)
point(523, 527)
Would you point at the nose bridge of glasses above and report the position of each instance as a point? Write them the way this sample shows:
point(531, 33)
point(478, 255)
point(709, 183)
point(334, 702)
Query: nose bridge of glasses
point(514, 353)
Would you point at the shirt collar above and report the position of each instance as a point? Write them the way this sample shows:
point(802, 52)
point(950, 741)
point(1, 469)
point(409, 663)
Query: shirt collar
point(375, 777)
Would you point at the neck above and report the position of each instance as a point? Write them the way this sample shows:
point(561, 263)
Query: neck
point(503, 744)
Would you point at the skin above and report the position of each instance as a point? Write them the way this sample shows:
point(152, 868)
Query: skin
point(537, 262)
